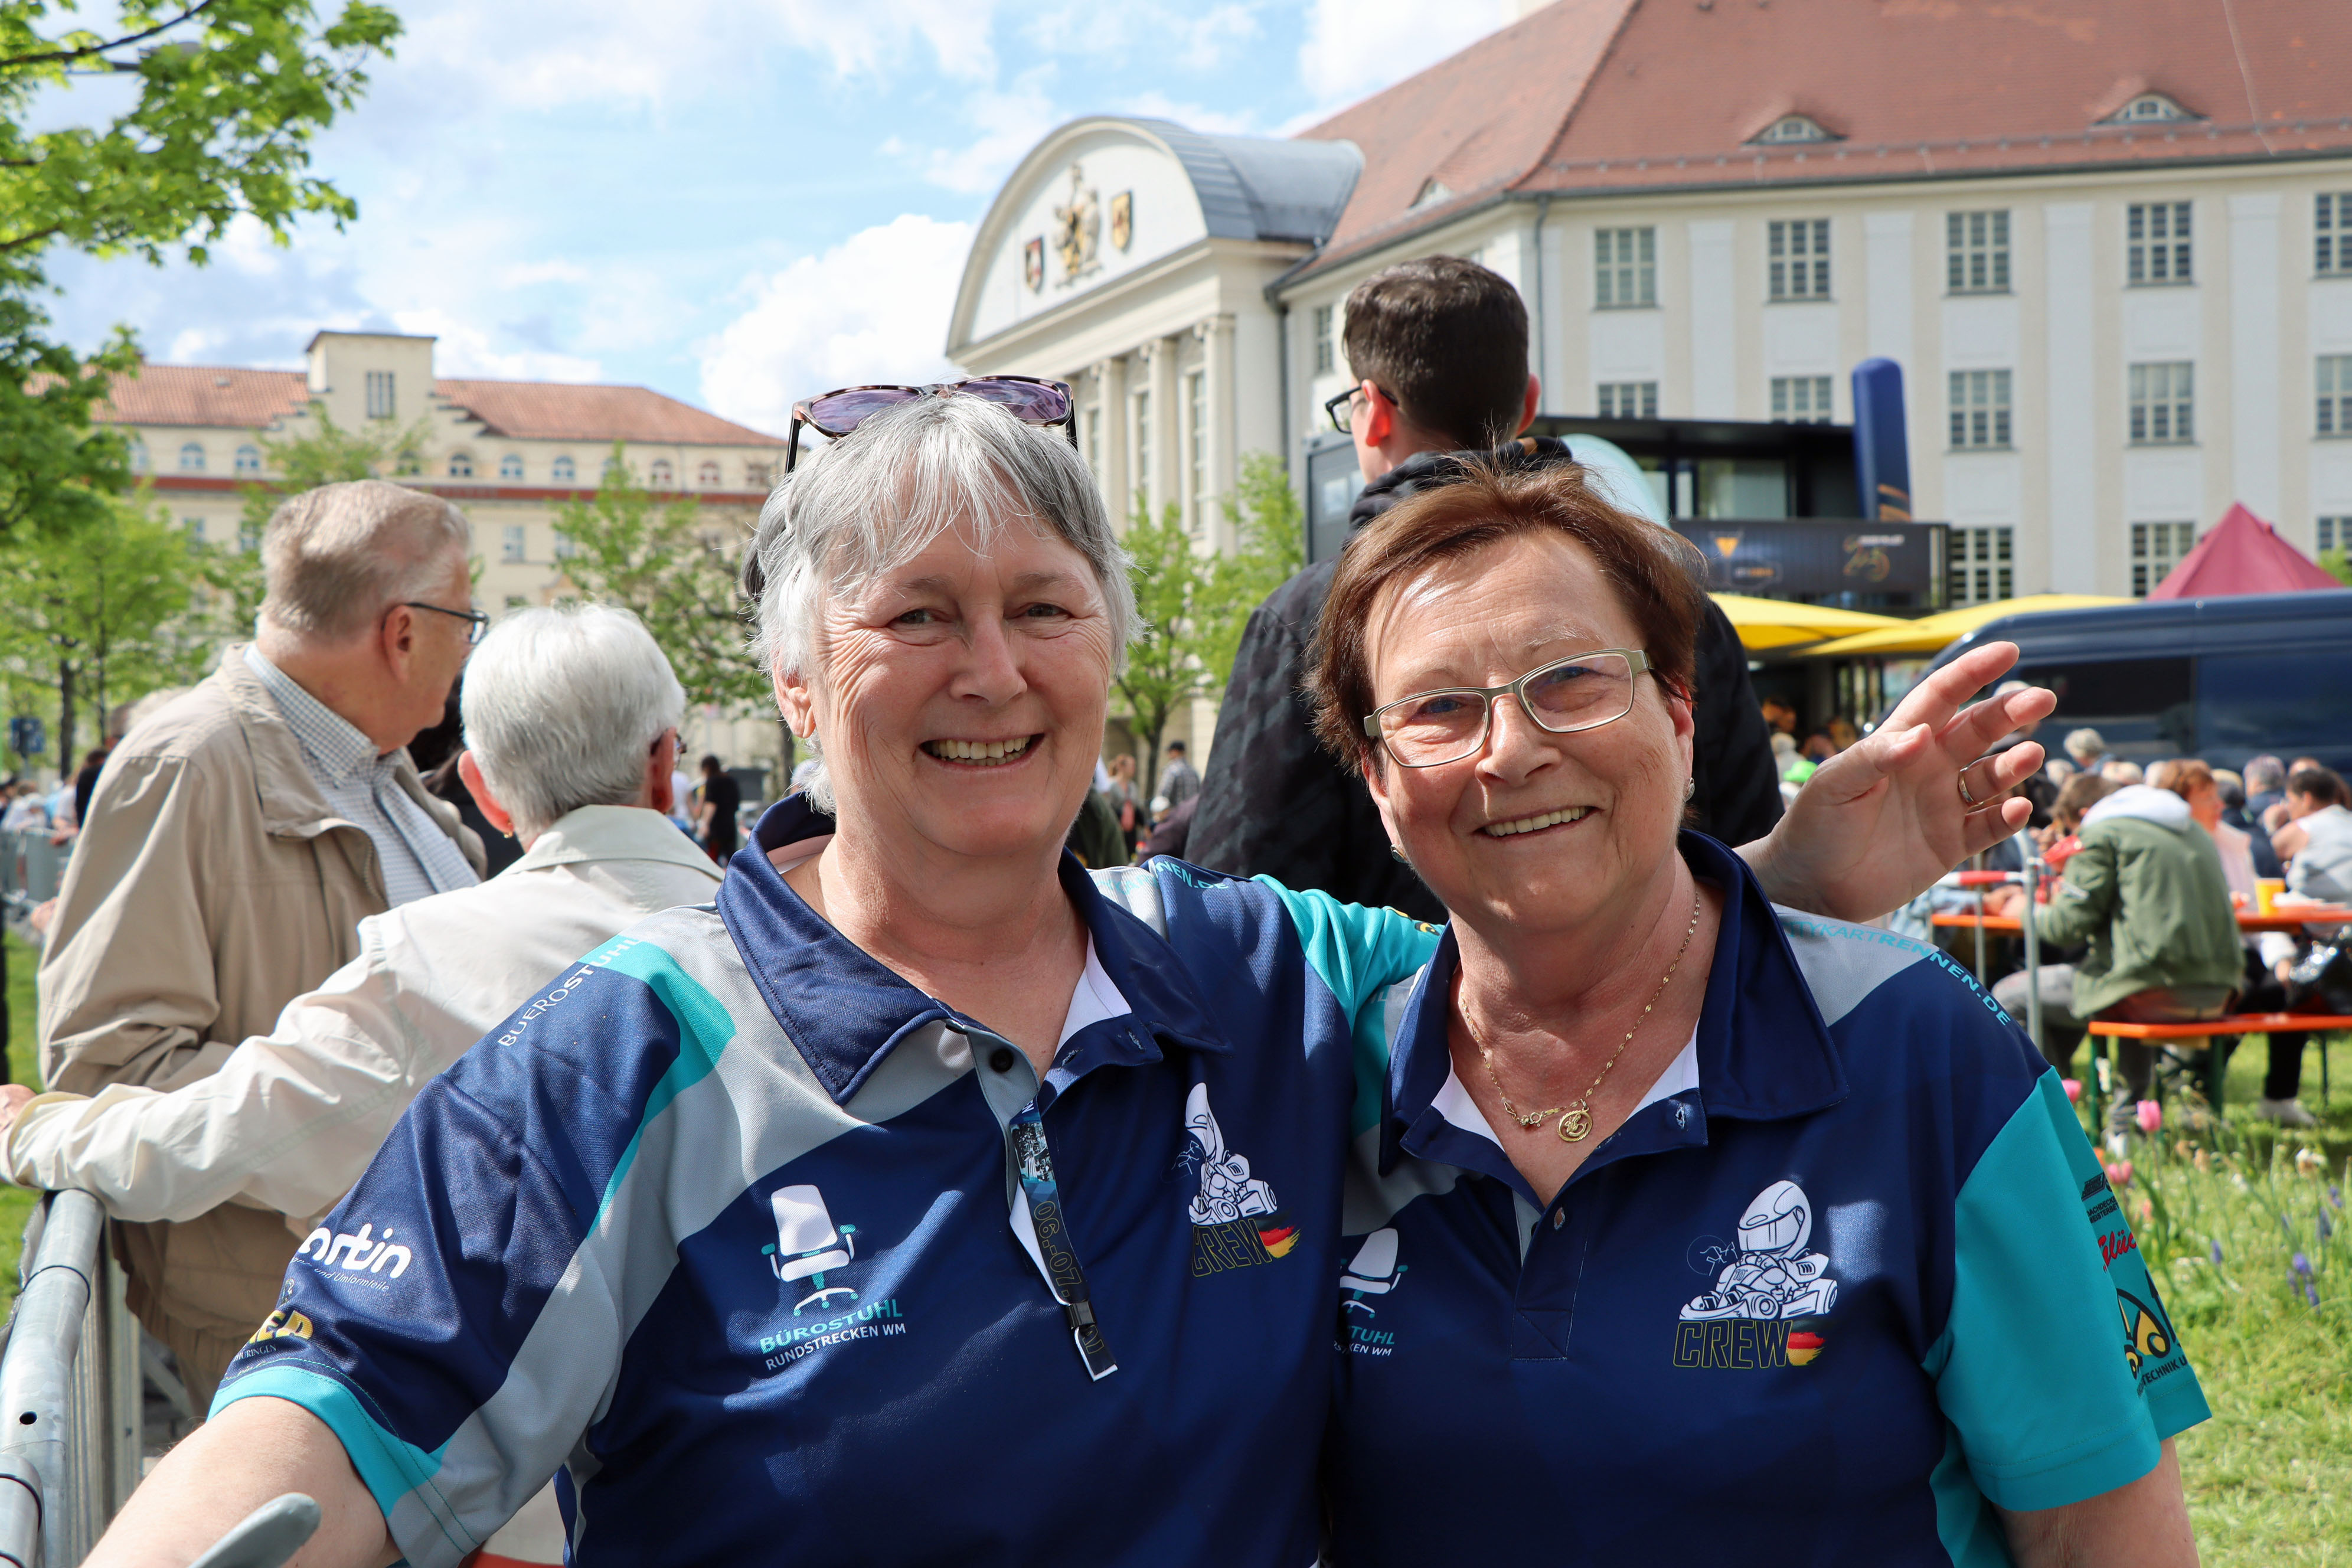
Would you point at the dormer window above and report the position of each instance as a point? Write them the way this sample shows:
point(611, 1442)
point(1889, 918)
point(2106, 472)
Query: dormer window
point(2148, 106)
point(1794, 128)
point(1433, 191)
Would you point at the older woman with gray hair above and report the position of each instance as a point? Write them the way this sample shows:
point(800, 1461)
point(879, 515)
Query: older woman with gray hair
point(926, 1199)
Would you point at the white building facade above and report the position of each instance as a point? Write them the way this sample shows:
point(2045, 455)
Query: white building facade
point(2118, 283)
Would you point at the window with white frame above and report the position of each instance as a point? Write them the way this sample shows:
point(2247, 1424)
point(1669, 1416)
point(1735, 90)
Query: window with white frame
point(2331, 233)
point(1798, 250)
point(192, 457)
point(2157, 243)
point(706, 476)
point(514, 542)
point(511, 466)
point(1982, 566)
point(2335, 534)
point(461, 465)
point(2156, 549)
point(380, 403)
point(2163, 404)
point(661, 476)
point(2149, 106)
point(1144, 443)
point(564, 471)
point(194, 527)
point(248, 459)
point(1975, 253)
point(1327, 353)
point(1625, 267)
point(2335, 378)
point(759, 476)
point(1628, 399)
point(1794, 128)
point(1979, 408)
point(248, 538)
point(1801, 399)
point(137, 456)
point(565, 548)
point(1196, 454)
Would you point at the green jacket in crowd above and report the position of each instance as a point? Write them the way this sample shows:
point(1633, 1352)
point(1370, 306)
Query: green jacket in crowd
point(2148, 894)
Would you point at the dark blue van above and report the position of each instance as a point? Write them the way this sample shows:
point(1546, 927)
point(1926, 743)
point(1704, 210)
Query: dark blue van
point(2224, 679)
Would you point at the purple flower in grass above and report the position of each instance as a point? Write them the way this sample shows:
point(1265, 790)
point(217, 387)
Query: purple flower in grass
point(2301, 1267)
point(2214, 1248)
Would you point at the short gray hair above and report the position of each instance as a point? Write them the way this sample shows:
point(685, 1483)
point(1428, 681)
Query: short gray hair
point(2085, 742)
point(561, 707)
point(880, 496)
point(334, 558)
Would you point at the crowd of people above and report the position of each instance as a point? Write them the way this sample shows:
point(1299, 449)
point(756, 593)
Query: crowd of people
point(657, 1201)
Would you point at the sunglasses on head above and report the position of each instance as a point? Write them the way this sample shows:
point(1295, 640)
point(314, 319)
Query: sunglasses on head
point(1028, 398)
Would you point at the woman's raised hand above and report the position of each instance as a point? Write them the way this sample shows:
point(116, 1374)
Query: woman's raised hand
point(1883, 819)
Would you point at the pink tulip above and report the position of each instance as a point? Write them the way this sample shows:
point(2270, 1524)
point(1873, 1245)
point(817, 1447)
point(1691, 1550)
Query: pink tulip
point(2119, 1174)
point(2150, 1115)
point(2074, 1089)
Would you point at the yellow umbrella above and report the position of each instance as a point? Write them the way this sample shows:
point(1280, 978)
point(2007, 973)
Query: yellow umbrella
point(1775, 623)
point(1931, 632)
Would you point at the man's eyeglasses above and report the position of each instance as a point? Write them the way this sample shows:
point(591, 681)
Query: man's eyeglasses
point(1027, 398)
point(1584, 691)
point(1341, 409)
point(476, 622)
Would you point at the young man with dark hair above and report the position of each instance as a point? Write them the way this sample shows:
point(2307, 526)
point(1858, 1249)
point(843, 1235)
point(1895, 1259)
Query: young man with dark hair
point(1439, 348)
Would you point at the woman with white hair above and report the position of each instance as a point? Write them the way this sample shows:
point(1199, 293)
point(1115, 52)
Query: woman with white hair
point(927, 1199)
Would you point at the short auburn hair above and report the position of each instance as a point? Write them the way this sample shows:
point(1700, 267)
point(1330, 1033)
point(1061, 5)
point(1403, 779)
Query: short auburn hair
point(1653, 571)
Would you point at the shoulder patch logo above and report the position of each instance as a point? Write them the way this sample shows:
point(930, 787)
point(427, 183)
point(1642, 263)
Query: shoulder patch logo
point(1237, 1221)
point(1770, 1292)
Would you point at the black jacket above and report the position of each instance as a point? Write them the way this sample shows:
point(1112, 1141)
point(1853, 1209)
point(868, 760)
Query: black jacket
point(1275, 803)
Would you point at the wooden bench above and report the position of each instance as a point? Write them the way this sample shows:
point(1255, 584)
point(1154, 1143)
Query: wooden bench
point(2323, 1024)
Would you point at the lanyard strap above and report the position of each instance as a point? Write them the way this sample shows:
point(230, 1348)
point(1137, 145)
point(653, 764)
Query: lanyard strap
point(1033, 1162)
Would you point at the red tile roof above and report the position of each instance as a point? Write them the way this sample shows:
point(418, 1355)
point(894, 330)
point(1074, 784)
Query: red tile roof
point(204, 395)
point(555, 411)
point(1626, 94)
point(539, 410)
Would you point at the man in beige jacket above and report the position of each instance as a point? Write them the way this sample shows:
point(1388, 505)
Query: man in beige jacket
point(572, 730)
point(235, 841)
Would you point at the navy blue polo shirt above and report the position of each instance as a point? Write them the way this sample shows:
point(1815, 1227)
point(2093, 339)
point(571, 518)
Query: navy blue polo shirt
point(776, 1259)
point(1851, 1275)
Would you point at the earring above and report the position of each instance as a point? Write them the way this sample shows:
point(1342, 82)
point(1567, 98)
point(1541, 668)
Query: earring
point(1400, 855)
point(1690, 787)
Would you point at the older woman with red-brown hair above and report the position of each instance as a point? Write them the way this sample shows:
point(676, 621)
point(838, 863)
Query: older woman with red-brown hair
point(1684, 1227)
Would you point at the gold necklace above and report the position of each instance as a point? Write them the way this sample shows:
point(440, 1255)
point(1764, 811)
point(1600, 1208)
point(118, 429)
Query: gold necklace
point(1575, 1117)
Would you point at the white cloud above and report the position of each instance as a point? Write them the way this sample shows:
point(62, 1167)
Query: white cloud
point(874, 307)
point(1195, 38)
point(1355, 48)
point(876, 37)
point(1004, 127)
point(466, 350)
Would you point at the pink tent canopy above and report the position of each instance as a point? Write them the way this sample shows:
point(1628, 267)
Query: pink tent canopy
point(2244, 554)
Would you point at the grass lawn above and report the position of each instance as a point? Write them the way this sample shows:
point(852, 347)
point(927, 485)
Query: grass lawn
point(2269, 1476)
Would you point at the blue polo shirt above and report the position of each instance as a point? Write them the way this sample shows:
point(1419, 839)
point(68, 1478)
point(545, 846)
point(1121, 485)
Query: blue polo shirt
point(777, 1260)
point(1850, 1276)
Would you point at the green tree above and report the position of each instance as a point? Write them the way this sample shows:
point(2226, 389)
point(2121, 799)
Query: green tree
point(675, 565)
point(1192, 607)
point(99, 616)
point(228, 96)
point(2339, 565)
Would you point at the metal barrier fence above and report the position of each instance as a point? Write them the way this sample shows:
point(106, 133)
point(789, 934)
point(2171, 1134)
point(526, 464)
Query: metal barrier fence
point(69, 1390)
point(31, 865)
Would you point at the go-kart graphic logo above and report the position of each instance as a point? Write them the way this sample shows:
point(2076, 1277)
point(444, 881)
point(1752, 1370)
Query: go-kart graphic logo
point(1373, 1271)
point(808, 1245)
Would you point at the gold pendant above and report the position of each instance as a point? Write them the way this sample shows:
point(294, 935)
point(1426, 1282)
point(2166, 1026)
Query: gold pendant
point(1574, 1123)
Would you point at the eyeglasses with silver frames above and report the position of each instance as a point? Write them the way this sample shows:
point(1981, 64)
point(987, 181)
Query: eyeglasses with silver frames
point(1583, 691)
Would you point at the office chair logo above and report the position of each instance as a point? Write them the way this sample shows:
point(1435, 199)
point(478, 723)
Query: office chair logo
point(1373, 1271)
point(809, 1247)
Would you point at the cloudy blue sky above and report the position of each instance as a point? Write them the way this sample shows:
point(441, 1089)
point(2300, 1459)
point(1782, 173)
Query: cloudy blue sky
point(734, 201)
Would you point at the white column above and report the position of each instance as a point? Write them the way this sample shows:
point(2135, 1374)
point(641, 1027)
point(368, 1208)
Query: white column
point(2254, 351)
point(1167, 477)
point(1886, 272)
point(1217, 344)
point(1111, 377)
point(2072, 434)
point(1714, 322)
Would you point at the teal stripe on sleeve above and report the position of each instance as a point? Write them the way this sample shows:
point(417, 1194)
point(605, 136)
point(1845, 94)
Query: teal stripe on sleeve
point(1359, 954)
point(2052, 1400)
point(389, 1467)
point(704, 1029)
